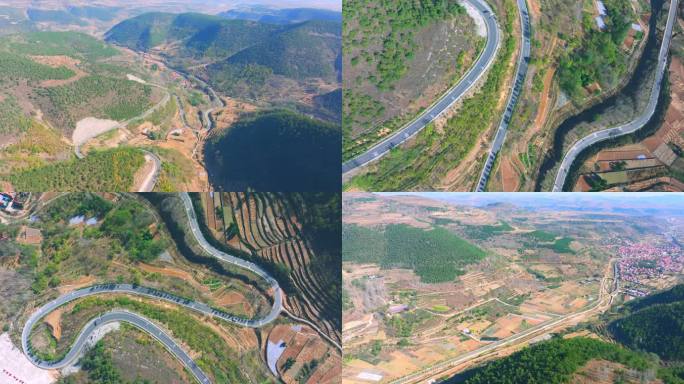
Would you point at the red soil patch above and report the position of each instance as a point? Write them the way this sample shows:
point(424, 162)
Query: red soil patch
point(166, 271)
point(54, 321)
point(81, 282)
point(509, 176)
point(230, 298)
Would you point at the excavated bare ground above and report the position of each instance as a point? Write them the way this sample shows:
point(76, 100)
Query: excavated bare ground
point(304, 345)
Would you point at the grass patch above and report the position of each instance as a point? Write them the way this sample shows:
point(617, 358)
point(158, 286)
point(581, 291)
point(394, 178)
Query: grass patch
point(440, 308)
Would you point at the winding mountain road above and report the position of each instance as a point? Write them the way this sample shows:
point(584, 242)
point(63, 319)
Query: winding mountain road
point(632, 126)
point(453, 95)
point(216, 101)
point(151, 180)
point(123, 124)
point(143, 323)
point(521, 73)
point(277, 291)
point(84, 338)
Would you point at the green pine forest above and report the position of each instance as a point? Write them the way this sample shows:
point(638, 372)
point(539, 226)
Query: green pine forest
point(443, 255)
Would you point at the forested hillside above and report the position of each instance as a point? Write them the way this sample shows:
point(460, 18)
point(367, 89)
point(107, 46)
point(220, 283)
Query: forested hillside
point(675, 294)
point(655, 324)
point(12, 119)
point(63, 95)
point(393, 25)
point(14, 67)
point(436, 255)
point(553, 362)
point(282, 16)
point(97, 96)
point(391, 49)
point(200, 35)
point(73, 44)
point(275, 150)
point(310, 49)
point(238, 57)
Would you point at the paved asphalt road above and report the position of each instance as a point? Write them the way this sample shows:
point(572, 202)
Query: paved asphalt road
point(446, 101)
point(85, 340)
point(149, 182)
point(130, 290)
point(216, 101)
point(523, 63)
point(632, 126)
point(277, 292)
point(140, 321)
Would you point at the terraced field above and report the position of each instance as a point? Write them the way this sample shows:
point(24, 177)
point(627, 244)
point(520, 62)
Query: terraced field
point(270, 226)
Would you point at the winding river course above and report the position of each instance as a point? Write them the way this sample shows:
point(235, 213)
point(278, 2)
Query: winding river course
point(143, 323)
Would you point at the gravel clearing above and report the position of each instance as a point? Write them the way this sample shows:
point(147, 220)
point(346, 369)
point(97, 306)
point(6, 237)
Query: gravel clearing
point(477, 18)
point(136, 79)
point(16, 368)
point(91, 127)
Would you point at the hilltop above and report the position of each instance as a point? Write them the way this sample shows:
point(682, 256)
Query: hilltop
point(295, 153)
point(654, 324)
point(51, 82)
point(241, 58)
point(281, 16)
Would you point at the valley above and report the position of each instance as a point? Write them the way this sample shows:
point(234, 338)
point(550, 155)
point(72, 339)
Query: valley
point(493, 275)
point(155, 105)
